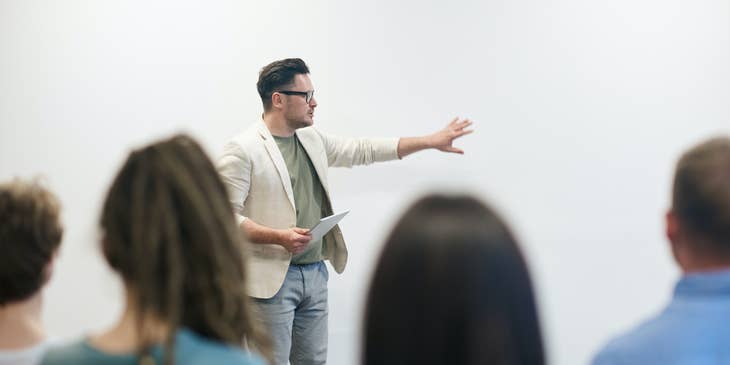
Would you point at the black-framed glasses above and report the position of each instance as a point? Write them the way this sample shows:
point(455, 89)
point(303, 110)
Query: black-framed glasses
point(306, 94)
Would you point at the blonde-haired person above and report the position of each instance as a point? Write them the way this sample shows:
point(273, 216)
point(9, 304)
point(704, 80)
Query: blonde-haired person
point(169, 232)
point(30, 233)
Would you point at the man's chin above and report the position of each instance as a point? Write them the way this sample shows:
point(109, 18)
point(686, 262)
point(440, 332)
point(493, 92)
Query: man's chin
point(302, 124)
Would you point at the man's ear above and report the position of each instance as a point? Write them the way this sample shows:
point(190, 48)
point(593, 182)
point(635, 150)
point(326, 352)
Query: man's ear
point(672, 227)
point(276, 100)
point(673, 230)
point(48, 269)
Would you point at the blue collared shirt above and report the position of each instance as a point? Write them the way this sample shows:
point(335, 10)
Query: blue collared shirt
point(694, 329)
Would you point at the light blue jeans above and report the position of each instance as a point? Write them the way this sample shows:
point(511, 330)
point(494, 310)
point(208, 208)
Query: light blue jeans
point(296, 317)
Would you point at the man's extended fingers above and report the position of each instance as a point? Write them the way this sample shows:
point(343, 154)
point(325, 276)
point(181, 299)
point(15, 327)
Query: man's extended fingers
point(464, 132)
point(453, 121)
point(463, 124)
point(454, 150)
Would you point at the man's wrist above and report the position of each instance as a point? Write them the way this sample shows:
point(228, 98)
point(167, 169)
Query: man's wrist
point(280, 236)
point(429, 141)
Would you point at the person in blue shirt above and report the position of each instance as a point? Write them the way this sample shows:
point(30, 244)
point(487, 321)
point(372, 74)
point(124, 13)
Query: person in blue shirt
point(169, 232)
point(695, 327)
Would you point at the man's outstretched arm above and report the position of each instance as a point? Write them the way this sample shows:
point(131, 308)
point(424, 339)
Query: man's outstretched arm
point(442, 140)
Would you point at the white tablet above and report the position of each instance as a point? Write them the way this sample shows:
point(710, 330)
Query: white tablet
point(325, 224)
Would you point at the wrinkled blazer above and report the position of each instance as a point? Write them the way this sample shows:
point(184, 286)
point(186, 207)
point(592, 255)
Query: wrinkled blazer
point(259, 187)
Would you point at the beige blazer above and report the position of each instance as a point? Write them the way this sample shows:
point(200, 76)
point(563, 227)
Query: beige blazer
point(259, 187)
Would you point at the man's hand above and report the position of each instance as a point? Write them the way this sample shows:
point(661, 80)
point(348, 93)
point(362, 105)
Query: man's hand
point(443, 140)
point(295, 239)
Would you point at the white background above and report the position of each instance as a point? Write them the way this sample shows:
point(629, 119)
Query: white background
point(581, 109)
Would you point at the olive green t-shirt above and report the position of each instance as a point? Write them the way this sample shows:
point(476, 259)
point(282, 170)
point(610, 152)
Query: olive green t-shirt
point(308, 193)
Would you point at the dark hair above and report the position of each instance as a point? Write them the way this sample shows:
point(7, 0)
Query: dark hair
point(451, 287)
point(30, 233)
point(170, 232)
point(701, 194)
point(276, 75)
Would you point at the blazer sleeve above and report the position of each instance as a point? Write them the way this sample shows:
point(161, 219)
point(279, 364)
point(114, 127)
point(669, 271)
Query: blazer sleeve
point(234, 167)
point(348, 152)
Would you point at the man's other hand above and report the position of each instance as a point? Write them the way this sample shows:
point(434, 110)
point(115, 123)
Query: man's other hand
point(295, 239)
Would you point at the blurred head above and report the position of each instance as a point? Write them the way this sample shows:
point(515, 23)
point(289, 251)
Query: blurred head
point(285, 88)
point(30, 233)
point(698, 223)
point(451, 287)
point(169, 231)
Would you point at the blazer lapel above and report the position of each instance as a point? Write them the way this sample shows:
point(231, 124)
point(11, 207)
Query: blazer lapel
point(278, 161)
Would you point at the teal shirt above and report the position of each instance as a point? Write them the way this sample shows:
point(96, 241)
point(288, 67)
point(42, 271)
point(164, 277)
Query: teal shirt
point(190, 349)
point(309, 196)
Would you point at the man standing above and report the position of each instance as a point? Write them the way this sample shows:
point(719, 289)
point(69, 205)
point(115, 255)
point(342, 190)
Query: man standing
point(695, 326)
point(276, 173)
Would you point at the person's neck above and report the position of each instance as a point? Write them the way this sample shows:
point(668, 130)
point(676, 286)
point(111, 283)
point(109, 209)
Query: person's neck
point(20, 324)
point(276, 123)
point(124, 336)
point(694, 262)
point(705, 268)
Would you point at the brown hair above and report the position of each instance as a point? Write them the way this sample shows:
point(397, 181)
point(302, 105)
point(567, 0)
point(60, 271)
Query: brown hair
point(276, 75)
point(170, 232)
point(701, 194)
point(451, 287)
point(30, 233)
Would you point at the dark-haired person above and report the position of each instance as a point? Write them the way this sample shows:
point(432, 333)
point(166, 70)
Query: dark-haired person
point(30, 233)
point(695, 327)
point(451, 287)
point(169, 232)
point(276, 172)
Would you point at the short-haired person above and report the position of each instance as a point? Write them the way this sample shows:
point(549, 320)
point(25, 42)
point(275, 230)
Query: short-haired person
point(169, 232)
point(30, 234)
point(276, 172)
point(451, 287)
point(694, 329)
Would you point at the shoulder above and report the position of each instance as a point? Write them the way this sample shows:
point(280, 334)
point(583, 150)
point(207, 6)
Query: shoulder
point(222, 356)
point(311, 136)
point(243, 144)
point(73, 353)
point(645, 343)
point(310, 132)
point(29, 355)
point(248, 136)
point(194, 349)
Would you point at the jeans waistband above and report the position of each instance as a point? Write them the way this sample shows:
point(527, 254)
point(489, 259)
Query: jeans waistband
point(306, 265)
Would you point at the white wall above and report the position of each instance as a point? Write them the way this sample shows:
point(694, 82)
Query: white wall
point(582, 107)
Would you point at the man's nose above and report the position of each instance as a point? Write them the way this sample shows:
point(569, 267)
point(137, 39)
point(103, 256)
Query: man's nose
point(313, 102)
